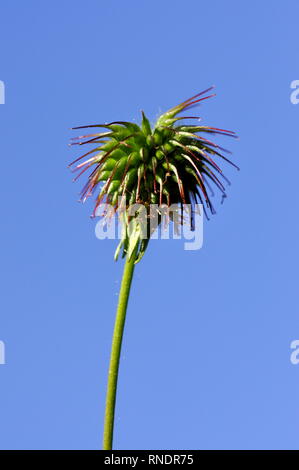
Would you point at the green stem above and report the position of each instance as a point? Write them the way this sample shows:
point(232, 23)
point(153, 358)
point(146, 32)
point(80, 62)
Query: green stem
point(115, 351)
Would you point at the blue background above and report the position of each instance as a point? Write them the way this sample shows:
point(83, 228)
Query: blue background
point(206, 353)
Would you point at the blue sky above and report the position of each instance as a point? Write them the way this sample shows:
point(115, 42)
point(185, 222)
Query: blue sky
point(206, 353)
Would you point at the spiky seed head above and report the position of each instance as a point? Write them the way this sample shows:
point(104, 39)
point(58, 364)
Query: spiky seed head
point(172, 163)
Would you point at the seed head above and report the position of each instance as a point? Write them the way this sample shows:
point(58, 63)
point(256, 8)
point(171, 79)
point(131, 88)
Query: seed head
point(172, 163)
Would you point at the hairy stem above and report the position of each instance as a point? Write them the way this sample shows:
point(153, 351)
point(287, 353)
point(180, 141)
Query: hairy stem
point(116, 350)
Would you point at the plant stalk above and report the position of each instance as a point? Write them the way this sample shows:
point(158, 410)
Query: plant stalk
point(116, 350)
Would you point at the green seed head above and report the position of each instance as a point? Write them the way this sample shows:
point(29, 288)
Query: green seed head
point(171, 163)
